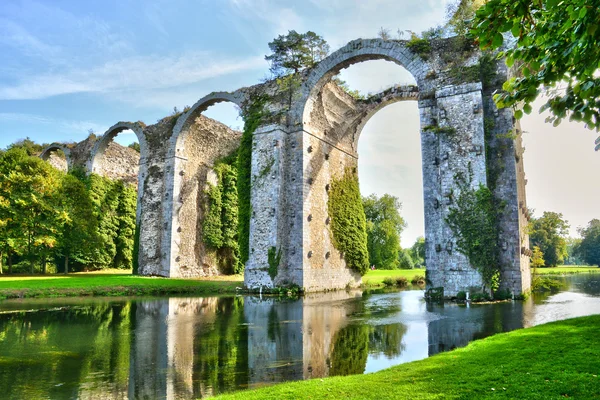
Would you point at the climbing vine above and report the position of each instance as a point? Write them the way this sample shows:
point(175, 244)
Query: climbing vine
point(253, 114)
point(220, 225)
point(348, 221)
point(212, 228)
point(274, 257)
point(474, 222)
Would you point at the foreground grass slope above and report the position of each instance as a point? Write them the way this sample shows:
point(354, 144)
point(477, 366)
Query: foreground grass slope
point(553, 361)
point(96, 284)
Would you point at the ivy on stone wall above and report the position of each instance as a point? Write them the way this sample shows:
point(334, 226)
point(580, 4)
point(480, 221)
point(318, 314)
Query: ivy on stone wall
point(212, 229)
point(220, 227)
point(274, 258)
point(253, 114)
point(125, 240)
point(136, 250)
point(348, 221)
point(474, 223)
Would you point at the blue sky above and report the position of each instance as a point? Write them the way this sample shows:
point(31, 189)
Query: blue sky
point(70, 65)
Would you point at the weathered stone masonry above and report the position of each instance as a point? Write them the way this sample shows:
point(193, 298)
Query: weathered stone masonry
point(312, 141)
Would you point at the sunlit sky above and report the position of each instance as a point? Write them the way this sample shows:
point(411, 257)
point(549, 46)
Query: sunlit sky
point(69, 66)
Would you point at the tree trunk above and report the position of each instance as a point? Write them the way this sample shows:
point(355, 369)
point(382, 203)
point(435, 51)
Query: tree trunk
point(1, 271)
point(9, 255)
point(31, 262)
point(44, 265)
point(66, 264)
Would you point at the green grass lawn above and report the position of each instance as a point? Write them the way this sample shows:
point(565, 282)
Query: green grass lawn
point(110, 284)
point(567, 269)
point(375, 278)
point(553, 361)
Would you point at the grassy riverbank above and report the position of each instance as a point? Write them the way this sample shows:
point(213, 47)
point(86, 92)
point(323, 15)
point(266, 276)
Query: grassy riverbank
point(552, 361)
point(110, 284)
point(375, 278)
point(567, 270)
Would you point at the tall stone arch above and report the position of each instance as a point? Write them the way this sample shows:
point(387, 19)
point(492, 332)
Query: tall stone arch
point(97, 152)
point(290, 210)
point(193, 148)
point(45, 155)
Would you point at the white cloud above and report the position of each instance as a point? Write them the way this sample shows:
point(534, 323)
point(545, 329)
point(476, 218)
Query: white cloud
point(144, 72)
point(76, 129)
point(15, 36)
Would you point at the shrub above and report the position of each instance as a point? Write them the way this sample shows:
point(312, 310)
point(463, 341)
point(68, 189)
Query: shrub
point(478, 297)
point(418, 280)
point(401, 281)
point(388, 282)
point(503, 294)
point(461, 296)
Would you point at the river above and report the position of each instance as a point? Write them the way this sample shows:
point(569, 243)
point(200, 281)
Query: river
point(181, 348)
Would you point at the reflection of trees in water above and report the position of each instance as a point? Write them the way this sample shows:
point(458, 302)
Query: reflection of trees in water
point(387, 340)
point(350, 350)
point(91, 340)
point(221, 350)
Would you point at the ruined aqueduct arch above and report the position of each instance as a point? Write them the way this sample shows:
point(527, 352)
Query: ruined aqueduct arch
point(47, 152)
point(182, 156)
point(311, 142)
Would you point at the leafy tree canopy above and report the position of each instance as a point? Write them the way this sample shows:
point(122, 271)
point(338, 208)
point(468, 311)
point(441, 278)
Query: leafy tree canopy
point(589, 247)
point(417, 252)
point(549, 233)
point(296, 51)
point(384, 227)
point(557, 42)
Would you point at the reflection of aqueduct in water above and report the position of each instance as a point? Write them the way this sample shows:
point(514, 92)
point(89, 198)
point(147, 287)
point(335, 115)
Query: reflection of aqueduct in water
point(315, 140)
point(196, 347)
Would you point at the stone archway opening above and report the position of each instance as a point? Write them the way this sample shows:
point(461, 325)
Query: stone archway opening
point(389, 148)
point(59, 156)
point(201, 224)
point(117, 155)
point(333, 119)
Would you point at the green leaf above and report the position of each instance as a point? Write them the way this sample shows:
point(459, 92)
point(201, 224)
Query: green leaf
point(498, 40)
point(582, 12)
point(516, 29)
point(527, 108)
point(518, 114)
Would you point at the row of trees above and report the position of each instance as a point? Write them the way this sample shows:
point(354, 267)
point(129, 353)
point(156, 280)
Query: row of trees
point(68, 221)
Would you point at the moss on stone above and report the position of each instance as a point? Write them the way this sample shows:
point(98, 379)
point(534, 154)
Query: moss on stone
point(348, 221)
point(419, 46)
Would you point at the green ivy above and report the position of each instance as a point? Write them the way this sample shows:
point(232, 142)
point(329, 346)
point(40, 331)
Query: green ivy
point(220, 225)
point(474, 222)
point(274, 257)
point(212, 228)
point(348, 221)
point(136, 250)
point(253, 114)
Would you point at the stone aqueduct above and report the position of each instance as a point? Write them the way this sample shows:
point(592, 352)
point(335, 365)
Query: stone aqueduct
point(315, 140)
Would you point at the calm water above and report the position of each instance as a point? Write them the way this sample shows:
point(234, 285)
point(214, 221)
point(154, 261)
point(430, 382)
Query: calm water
point(195, 347)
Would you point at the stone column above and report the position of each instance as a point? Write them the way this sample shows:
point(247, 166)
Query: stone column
point(267, 208)
point(453, 146)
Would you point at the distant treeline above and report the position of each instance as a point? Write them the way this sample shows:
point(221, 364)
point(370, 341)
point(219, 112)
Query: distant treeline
point(51, 220)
